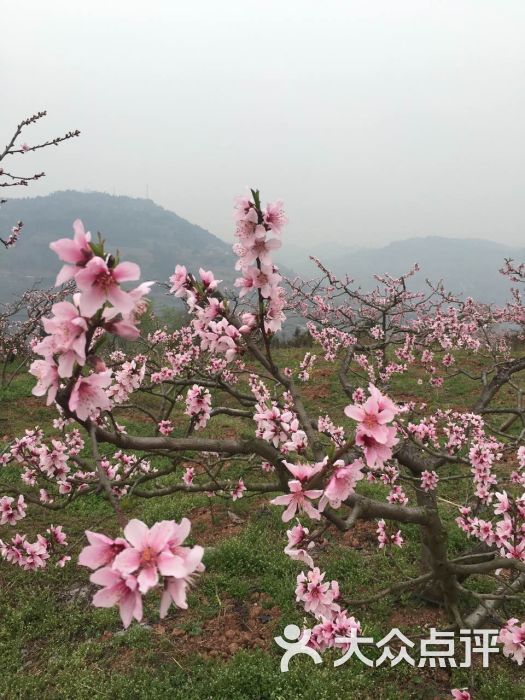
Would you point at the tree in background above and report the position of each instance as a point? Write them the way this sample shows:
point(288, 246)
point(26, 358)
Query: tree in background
point(11, 179)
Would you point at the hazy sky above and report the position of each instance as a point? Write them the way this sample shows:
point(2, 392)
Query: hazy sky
point(373, 119)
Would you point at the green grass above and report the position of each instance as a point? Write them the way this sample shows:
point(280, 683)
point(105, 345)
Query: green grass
point(54, 644)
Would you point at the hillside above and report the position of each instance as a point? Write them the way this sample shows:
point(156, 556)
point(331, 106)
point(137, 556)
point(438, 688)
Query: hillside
point(145, 232)
point(158, 239)
point(467, 266)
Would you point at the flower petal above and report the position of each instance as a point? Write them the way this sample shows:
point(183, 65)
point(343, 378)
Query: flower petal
point(126, 272)
point(170, 565)
point(136, 533)
point(127, 561)
point(160, 534)
point(106, 597)
point(148, 578)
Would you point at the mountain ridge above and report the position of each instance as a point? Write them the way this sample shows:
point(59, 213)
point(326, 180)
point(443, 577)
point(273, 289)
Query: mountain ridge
point(467, 266)
point(138, 228)
point(158, 239)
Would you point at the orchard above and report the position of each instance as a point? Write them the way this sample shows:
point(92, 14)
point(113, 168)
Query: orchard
point(449, 482)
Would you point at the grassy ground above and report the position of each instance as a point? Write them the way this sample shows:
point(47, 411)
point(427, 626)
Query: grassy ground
point(54, 644)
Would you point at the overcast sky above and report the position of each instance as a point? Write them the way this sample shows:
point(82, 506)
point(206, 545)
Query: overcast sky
point(374, 120)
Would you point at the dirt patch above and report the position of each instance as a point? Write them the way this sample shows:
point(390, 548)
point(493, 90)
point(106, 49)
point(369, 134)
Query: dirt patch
point(323, 372)
point(418, 618)
point(361, 536)
point(318, 391)
point(239, 625)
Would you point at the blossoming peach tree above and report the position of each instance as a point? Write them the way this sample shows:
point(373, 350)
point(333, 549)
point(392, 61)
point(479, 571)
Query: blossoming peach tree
point(21, 328)
point(309, 466)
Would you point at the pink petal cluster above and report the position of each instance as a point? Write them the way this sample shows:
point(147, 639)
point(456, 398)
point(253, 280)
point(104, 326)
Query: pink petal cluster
point(165, 427)
point(119, 589)
point(123, 323)
point(298, 500)
point(280, 427)
point(218, 337)
point(101, 550)
point(317, 595)
point(188, 476)
point(52, 463)
point(339, 624)
point(373, 415)
point(75, 327)
point(31, 556)
point(198, 405)
point(512, 636)
point(239, 490)
point(429, 480)
point(46, 373)
point(384, 539)
point(14, 235)
point(506, 532)
point(373, 433)
point(180, 281)
point(78, 252)
point(297, 537)
point(208, 280)
point(67, 337)
point(12, 511)
point(304, 472)
point(130, 567)
point(89, 397)
point(254, 251)
point(99, 284)
point(342, 483)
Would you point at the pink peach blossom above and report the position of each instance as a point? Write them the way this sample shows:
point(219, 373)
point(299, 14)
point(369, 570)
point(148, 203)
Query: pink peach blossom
point(239, 490)
point(67, 337)
point(123, 325)
point(512, 636)
point(176, 587)
point(274, 216)
point(118, 589)
point(342, 483)
point(179, 281)
point(460, 694)
point(298, 499)
point(188, 476)
point(46, 372)
point(208, 279)
point(149, 553)
point(76, 251)
point(98, 283)
point(101, 550)
point(376, 453)
point(373, 415)
point(304, 472)
point(88, 396)
point(296, 536)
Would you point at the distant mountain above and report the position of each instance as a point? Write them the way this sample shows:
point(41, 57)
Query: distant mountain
point(143, 231)
point(158, 239)
point(467, 266)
